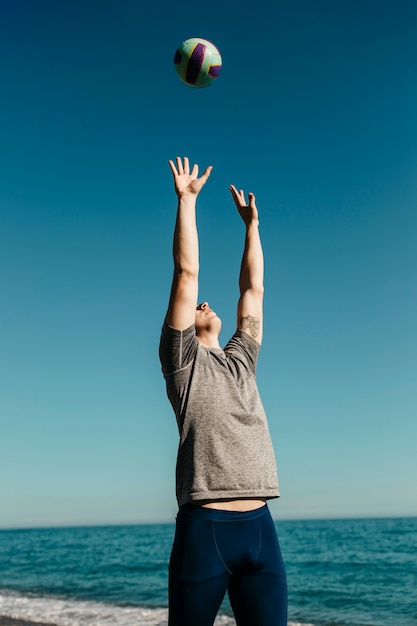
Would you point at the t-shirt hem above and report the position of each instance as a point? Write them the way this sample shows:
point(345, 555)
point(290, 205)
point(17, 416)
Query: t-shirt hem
point(229, 495)
point(175, 331)
point(246, 337)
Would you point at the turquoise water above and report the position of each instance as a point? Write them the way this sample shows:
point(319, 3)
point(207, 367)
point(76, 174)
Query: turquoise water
point(340, 573)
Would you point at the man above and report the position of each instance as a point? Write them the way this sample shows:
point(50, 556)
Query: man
point(225, 538)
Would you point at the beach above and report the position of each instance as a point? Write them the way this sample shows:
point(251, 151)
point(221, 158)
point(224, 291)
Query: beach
point(10, 621)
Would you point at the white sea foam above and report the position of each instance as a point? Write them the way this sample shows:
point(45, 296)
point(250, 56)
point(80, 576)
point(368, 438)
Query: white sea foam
point(66, 612)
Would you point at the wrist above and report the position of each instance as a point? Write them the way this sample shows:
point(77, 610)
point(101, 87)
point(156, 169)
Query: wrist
point(253, 223)
point(188, 199)
point(187, 202)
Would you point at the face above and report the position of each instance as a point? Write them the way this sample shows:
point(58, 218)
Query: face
point(206, 318)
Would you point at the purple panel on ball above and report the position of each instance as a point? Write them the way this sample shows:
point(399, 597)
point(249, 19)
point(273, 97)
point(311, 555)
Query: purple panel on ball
point(214, 70)
point(177, 58)
point(194, 63)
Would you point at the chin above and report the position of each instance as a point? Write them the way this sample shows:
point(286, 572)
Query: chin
point(217, 324)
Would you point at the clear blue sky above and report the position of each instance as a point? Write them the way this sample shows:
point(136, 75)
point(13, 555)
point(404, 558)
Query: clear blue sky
point(315, 112)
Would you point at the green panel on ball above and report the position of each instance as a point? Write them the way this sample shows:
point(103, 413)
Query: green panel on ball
point(197, 62)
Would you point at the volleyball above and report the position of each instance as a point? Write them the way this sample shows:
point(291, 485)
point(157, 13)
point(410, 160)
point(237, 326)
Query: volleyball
point(197, 62)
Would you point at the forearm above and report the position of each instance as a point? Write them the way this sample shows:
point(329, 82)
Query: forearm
point(185, 246)
point(252, 267)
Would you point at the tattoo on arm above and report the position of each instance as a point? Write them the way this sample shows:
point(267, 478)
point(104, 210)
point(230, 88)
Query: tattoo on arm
point(250, 324)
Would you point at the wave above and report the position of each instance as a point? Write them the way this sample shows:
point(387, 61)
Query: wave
point(68, 612)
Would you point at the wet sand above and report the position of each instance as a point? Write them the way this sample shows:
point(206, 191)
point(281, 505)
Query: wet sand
point(11, 621)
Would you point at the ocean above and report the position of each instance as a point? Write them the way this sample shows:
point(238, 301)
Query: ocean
point(352, 572)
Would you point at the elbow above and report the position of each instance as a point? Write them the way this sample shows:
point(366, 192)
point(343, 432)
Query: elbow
point(254, 290)
point(186, 270)
point(258, 291)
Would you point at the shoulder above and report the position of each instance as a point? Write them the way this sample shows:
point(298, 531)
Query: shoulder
point(169, 332)
point(177, 348)
point(244, 347)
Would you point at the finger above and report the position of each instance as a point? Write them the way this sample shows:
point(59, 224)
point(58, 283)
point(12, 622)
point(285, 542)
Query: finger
point(252, 200)
point(173, 168)
point(179, 166)
point(194, 172)
point(186, 166)
point(206, 173)
point(235, 195)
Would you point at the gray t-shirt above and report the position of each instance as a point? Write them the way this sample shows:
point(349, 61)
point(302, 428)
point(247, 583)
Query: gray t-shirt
point(225, 450)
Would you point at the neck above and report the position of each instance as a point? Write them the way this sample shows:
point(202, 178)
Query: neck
point(208, 340)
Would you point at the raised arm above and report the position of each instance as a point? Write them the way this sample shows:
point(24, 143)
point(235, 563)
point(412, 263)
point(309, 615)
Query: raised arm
point(251, 279)
point(184, 290)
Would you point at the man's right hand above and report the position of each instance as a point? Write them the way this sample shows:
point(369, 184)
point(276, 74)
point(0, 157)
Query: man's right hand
point(186, 183)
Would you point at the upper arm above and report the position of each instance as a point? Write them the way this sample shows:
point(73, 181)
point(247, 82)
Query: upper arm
point(250, 313)
point(182, 301)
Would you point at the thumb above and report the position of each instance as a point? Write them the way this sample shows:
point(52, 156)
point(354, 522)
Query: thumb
point(206, 173)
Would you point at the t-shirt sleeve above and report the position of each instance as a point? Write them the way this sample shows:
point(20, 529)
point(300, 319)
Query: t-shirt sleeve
point(177, 348)
point(243, 348)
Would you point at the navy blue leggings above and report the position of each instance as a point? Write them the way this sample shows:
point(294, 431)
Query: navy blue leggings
point(217, 551)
